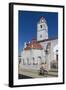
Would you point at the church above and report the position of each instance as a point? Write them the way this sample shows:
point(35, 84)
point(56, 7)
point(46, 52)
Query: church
point(42, 49)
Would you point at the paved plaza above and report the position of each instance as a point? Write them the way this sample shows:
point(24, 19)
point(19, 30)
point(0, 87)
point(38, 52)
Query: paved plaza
point(34, 72)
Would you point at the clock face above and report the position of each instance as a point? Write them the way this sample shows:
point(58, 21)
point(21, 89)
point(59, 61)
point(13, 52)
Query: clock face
point(42, 20)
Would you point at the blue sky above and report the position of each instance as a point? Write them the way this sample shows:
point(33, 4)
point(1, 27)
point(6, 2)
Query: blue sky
point(27, 25)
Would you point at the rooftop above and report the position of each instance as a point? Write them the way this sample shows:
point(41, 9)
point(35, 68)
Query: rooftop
point(33, 45)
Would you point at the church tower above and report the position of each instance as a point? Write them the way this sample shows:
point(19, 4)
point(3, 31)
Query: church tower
point(42, 29)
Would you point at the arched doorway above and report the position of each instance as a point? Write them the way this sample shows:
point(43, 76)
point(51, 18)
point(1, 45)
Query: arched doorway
point(28, 61)
point(39, 60)
point(33, 60)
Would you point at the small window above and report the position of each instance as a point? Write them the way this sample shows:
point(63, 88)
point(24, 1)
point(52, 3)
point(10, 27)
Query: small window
point(41, 26)
point(28, 61)
point(39, 57)
point(56, 50)
point(33, 60)
point(40, 36)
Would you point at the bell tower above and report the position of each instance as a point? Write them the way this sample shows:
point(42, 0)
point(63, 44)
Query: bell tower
point(42, 29)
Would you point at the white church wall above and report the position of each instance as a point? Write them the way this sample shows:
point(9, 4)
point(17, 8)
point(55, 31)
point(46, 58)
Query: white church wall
point(53, 45)
point(25, 57)
point(43, 24)
point(33, 56)
point(37, 53)
point(51, 55)
point(41, 35)
point(55, 50)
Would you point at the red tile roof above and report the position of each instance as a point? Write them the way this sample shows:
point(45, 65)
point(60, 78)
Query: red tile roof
point(33, 45)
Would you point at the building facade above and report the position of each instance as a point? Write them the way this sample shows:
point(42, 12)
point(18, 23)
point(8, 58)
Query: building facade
point(40, 50)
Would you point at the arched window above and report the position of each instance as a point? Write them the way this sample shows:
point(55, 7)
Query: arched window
point(39, 60)
point(19, 60)
point(56, 50)
point(33, 60)
point(23, 62)
point(41, 26)
point(40, 36)
point(28, 61)
point(39, 57)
